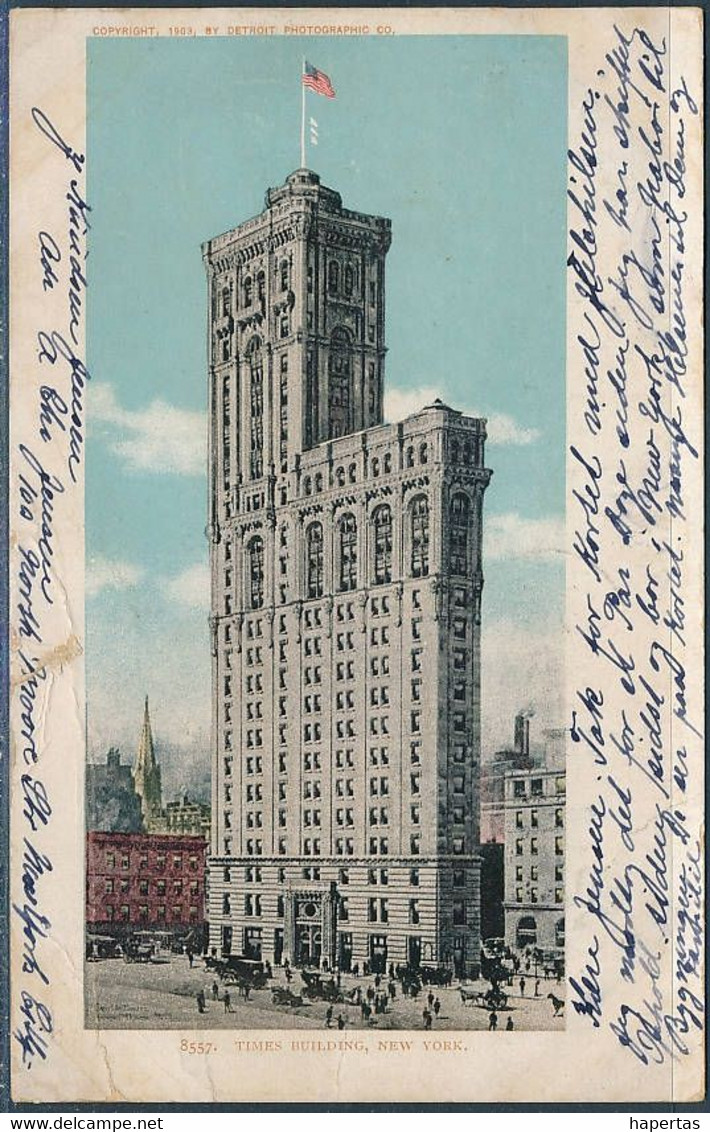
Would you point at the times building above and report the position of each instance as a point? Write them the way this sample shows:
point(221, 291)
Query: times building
point(345, 611)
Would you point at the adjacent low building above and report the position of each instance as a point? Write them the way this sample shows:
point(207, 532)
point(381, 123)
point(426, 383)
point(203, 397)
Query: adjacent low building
point(139, 881)
point(534, 903)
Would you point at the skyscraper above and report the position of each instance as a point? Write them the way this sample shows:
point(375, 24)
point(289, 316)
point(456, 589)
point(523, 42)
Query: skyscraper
point(345, 611)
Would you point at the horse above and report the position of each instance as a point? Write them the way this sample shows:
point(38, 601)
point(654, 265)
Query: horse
point(558, 1004)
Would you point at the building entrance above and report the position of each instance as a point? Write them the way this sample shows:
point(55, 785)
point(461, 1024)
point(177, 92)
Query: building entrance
point(378, 954)
point(345, 951)
point(309, 945)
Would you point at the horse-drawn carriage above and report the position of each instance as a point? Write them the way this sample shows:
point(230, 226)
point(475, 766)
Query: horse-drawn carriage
point(317, 987)
point(233, 969)
point(492, 999)
point(284, 996)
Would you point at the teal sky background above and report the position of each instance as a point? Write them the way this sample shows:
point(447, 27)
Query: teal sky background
point(461, 141)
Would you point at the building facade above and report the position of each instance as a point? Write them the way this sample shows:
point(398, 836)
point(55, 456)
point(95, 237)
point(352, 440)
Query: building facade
point(189, 817)
point(535, 859)
point(345, 612)
point(111, 800)
point(144, 881)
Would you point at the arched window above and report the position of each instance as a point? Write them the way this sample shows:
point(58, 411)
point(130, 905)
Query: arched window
point(375, 467)
point(348, 280)
point(348, 552)
point(261, 287)
point(454, 451)
point(284, 275)
point(387, 463)
point(423, 454)
point(333, 276)
point(255, 362)
point(340, 383)
point(352, 473)
point(247, 291)
point(307, 485)
point(255, 557)
point(526, 933)
point(314, 560)
point(319, 481)
point(419, 529)
point(340, 476)
point(409, 457)
point(459, 519)
point(382, 522)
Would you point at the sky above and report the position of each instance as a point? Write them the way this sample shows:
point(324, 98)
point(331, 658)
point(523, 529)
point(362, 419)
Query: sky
point(461, 141)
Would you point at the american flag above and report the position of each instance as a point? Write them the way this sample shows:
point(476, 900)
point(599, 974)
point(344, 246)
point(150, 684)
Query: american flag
point(317, 80)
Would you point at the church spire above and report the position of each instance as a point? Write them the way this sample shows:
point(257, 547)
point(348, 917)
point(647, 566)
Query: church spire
point(146, 774)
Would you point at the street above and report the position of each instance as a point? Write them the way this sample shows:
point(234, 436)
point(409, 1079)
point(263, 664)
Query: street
point(163, 995)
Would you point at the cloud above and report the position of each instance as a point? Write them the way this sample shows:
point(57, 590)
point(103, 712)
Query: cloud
point(159, 438)
point(511, 536)
point(191, 588)
point(104, 574)
point(502, 429)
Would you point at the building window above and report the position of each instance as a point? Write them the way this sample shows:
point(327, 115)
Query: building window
point(382, 521)
point(256, 408)
point(314, 560)
point(256, 572)
point(414, 911)
point(419, 521)
point(333, 276)
point(459, 516)
point(348, 552)
point(459, 915)
point(339, 383)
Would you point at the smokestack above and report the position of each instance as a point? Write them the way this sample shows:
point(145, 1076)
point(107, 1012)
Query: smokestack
point(526, 738)
point(519, 734)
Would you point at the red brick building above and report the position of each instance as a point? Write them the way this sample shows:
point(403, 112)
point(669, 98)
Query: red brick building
point(138, 881)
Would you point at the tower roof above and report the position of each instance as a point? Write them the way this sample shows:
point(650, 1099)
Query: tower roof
point(145, 759)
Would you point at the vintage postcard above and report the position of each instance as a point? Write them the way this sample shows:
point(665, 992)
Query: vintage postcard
point(356, 503)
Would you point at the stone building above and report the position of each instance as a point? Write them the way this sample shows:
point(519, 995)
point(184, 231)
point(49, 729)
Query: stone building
point(184, 815)
point(345, 611)
point(535, 858)
point(145, 881)
point(111, 800)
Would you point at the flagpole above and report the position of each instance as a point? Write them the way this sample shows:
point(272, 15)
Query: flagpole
point(303, 115)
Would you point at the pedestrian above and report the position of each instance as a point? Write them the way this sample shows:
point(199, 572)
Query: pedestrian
point(190, 957)
point(341, 1022)
point(247, 989)
point(328, 1017)
point(509, 1023)
point(537, 988)
point(200, 998)
point(492, 1020)
point(378, 980)
point(370, 994)
point(356, 970)
point(227, 999)
point(437, 1006)
point(215, 991)
point(392, 988)
point(428, 1020)
point(267, 970)
point(430, 999)
point(522, 986)
point(287, 973)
